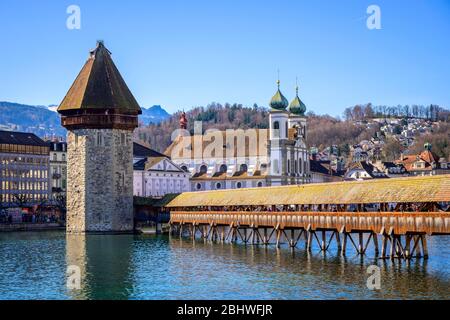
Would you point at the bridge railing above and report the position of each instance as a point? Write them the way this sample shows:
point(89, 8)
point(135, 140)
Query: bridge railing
point(378, 222)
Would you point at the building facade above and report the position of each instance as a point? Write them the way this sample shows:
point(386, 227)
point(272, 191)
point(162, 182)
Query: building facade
point(58, 168)
point(100, 114)
point(156, 176)
point(252, 158)
point(425, 163)
point(24, 169)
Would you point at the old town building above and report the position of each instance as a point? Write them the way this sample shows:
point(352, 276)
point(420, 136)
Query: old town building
point(58, 168)
point(24, 169)
point(156, 175)
point(235, 159)
point(425, 163)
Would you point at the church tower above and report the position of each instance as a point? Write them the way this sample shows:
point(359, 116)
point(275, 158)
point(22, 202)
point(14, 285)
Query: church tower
point(298, 153)
point(278, 135)
point(100, 114)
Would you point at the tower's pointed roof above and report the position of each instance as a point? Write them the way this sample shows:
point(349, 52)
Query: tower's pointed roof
point(99, 85)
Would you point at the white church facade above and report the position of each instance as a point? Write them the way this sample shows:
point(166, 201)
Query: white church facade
point(234, 159)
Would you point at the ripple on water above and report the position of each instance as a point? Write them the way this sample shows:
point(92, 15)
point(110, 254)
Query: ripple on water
point(156, 267)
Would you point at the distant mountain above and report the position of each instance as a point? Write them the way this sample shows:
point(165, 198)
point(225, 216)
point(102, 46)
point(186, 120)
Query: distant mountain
point(154, 115)
point(36, 119)
point(45, 121)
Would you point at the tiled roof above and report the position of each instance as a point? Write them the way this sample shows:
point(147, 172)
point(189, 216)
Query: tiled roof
point(396, 190)
point(185, 145)
point(427, 156)
point(99, 85)
point(21, 138)
point(322, 167)
point(141, 151)
point(369, 168)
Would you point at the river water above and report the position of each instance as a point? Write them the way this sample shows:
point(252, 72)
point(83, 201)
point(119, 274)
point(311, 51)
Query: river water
point(34, 266)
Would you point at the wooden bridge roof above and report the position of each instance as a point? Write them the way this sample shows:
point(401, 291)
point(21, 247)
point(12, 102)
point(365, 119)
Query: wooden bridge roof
point(411, 189)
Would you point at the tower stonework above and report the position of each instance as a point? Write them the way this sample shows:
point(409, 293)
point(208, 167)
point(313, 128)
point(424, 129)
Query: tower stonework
point(100, 114)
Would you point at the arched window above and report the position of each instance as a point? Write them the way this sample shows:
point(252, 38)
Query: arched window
point(239, 185)
point(243, 168)
point(203, 169)
point(223, 168)
point(260, 184)
point(218, 185)
point(198, 186)
point(184, 168)
point(276, 129)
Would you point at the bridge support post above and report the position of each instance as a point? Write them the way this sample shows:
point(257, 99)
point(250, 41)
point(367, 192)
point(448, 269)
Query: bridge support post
point(424, 246)
point(309, 242)
point(375, 243)
point(278, 237)
point(361, 243)
point(338, 240)
point(323, 246)
point(344, 247)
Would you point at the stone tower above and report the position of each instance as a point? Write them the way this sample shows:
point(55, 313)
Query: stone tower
point(100, 114)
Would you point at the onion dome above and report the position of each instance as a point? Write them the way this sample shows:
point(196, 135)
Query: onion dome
point(278, 101)
point(297, 107)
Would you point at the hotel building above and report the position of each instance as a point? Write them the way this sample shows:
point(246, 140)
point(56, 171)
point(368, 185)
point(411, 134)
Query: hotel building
point(24, 169)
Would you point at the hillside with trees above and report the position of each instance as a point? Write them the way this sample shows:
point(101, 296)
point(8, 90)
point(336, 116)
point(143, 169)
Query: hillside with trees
point(323, 130)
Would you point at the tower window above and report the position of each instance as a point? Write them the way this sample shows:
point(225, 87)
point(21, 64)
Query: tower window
point(276, 129)
point(99, 139)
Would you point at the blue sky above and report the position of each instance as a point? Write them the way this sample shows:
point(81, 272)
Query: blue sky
point(182, 54)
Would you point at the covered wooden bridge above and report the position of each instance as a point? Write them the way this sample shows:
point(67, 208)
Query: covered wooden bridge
point(402, 211)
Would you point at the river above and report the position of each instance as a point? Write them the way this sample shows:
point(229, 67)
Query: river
point(34, 265)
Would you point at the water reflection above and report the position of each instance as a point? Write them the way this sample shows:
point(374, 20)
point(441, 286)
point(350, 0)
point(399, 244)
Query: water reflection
point(104, 262)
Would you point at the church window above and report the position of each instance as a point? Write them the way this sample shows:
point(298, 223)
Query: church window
point(199, 186)
point(218, 185)
point(243, 168)
point(223, 168)
point(203, 169)
point(260, 184)
point(239, 185)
